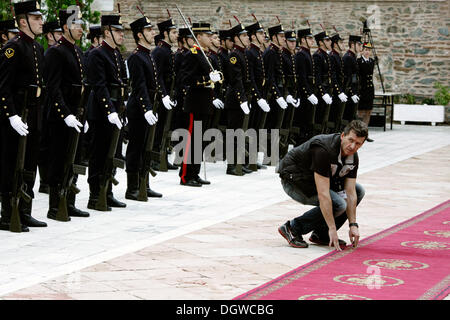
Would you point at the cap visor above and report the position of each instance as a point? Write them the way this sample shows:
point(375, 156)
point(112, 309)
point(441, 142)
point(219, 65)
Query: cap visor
point(117, 26)
point(35, 13)
point(13, 30)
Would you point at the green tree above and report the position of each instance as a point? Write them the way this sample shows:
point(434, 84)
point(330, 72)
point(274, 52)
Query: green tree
point(5, 10)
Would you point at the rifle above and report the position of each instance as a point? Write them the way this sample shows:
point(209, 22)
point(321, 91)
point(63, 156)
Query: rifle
point(112, 162)
point(165, 141)
point(146, 166)
point(286, 132)
point(70, 168)
point(19, 187)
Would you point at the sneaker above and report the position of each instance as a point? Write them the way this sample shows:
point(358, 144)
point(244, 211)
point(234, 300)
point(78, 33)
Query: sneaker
point(325, 241)
point(293, 240)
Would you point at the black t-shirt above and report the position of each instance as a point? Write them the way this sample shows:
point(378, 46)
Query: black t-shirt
point(337, 172)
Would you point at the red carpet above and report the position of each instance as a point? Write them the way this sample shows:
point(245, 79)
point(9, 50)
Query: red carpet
point(409, 261)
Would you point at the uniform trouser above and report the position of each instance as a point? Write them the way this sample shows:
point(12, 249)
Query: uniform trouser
point(190, 168)
point(304, 120)
point(162, 116)
point(101, 141)
point(44, 151)
point(8, 157)
point(235, 117)
point(59, 136)
point(336, 114)
point(350, 112)
point(313, 219)
point(321, 116)
point(137, 137)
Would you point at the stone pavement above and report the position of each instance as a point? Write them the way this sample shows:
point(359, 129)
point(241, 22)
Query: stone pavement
point(216, 242)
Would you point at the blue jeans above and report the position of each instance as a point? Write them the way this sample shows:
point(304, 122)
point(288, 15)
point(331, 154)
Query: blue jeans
point(313, 219)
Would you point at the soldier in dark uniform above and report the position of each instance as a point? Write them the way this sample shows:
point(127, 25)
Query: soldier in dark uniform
point(239, 91)
point(351, 78)
point(95, 37)
point(339, 97)
point(64, 76)
point(257, 73)
point(105, 77)
point(324, 80)
point(198, 77)
point(165, 63)
point(290, 89)
point(52, 32)
point(226, 44)
point(304, 117)
point(366, 65)
point(21, 67)
point(8, 30)
point(144, 90)
point(273, 62)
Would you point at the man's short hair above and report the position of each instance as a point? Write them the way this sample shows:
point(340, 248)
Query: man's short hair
point(359, 128)
point(20, 17)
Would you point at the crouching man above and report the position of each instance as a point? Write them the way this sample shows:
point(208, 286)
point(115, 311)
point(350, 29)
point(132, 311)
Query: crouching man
point(322, 172)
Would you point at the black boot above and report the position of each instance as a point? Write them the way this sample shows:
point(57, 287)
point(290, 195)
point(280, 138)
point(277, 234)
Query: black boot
point(132, 186)
point(25, 215)
point(93, 197)
point(6, 214)
point(111, 201)
point(151, 193)
point(53, 203)
point(72, 210)
point(231, 169)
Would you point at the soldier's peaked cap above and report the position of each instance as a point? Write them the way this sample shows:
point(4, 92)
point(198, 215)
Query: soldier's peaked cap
point(353, 38)
point(256, 27)
point(199, 27)
point(51, 26)
point(9, 26)
point(275, 30)
point(304, 33)
point(290, 35)
point(94, 32)
point(166, 25)
point(28, 7)
point(321, 36)
point(224, 34)
point(114, 21)
point(336, 37)
point(237, 30)
point(184, 33)
point(140, 24)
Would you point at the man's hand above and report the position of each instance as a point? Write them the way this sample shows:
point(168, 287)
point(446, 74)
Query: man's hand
point(313, 99)
point(282, 103)
point(215, 76)
point(218, 104)
point(168, 104)
point(326, 97)
point(263, 105)
point(245, 108)
point(354, 236)
point(113, 118)
point(18, 125)
point(334, 240)
point(355, 98)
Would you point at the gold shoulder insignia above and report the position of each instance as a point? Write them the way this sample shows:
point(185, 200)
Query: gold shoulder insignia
point(233, 60)
point(9, 53)
point(194, 50)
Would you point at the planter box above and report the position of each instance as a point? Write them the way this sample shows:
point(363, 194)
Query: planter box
point(419, 113)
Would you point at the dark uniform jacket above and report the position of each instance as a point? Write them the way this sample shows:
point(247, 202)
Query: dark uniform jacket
point(273, 62)
point(180, 87)
point(165, 62)
point(216, 62)
point(290, 73)
point(239, 78)
point(143, 82)
point(195, 76)
point(21, 66)
point(105, 77)
point(64, 75)
point(257, 71)
point(351, 74)
point(305, 72)
point(338, 71)
point(366, 82)
point(322, 72)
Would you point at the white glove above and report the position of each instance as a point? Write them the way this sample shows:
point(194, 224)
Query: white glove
point(244, 107)
point(114, 119)
point(343, 97)
point(72, 122)
point(125, 121)
point(282, 103)
point(86, 126)
point(218, 104)
point(262, 103)
point(295, 102)
point(168, 104)
point(18, 125)
point(355, 98)
point(313, 99)
point(326, 97)
point(215, 76)
point(151, 117)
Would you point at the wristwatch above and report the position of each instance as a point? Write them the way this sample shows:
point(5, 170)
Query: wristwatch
point(353, 224)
